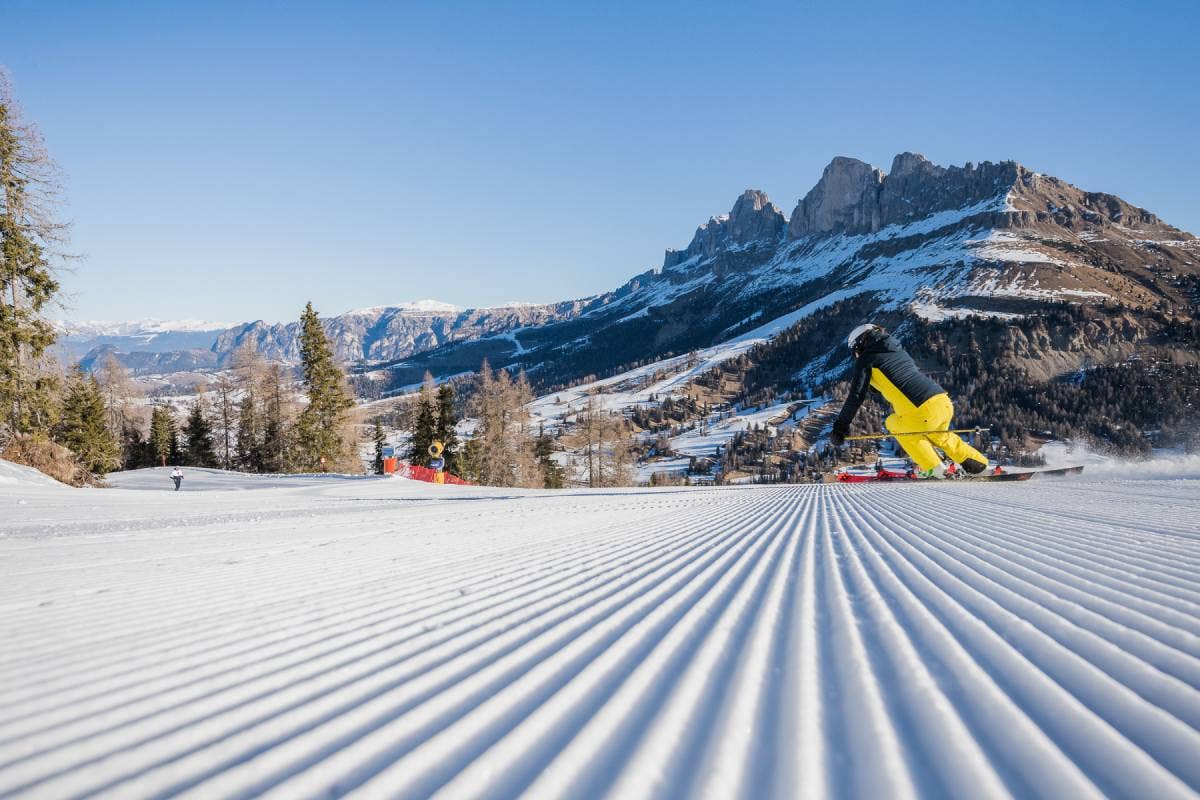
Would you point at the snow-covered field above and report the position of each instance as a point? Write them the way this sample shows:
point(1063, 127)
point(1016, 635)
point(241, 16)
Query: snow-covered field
point(308, 636)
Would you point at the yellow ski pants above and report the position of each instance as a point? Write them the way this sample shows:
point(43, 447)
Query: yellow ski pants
point(932, 415)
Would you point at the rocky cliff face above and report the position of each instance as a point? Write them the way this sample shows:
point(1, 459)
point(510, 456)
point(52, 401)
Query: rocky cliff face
point(853, 197)
point(845, 200)
point(754, 220)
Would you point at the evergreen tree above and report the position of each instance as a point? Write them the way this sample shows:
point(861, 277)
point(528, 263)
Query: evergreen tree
point(551, 471)
point(83, 426)
point(321, 438)
point(136, 452)
point(28, 237)
point(274, 424)
point(225, 434)
point(248, 454)
point(443, 429)
point(423, 425)
point(380, 443)
point(198, 430)
point(163, 437)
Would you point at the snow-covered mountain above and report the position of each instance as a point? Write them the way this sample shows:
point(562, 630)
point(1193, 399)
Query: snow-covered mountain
point(392, 332)
point(367, 334)
point(76, 339)
point(992, 238)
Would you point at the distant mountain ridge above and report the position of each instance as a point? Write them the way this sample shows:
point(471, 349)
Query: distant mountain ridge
point(368, 334)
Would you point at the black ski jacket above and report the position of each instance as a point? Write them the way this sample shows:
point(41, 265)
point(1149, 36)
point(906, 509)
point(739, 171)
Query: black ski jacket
point(884, 364)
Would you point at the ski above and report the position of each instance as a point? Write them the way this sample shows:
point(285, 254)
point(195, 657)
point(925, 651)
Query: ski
point(1058, 471)
point(886, 475)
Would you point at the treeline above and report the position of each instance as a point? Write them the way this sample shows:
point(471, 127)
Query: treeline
point(505, 449)
point(254, 419)
point(1127, 407)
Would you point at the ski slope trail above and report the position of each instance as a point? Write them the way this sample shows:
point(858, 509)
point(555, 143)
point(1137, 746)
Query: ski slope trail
point(316, 636)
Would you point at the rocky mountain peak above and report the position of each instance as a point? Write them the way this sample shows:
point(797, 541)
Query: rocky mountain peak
point(854, 197)
point(844, 200)
point(909, 163)
point(753, 218)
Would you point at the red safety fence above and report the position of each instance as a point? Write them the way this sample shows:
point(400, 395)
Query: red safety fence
point(416, 473)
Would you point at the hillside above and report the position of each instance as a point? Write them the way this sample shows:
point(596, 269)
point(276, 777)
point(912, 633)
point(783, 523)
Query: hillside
point(986, 640)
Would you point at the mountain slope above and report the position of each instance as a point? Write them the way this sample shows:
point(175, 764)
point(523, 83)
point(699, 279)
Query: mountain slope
point(922, 240)
point(1002, 640)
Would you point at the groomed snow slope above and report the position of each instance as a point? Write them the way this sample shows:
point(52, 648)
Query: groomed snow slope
point(384, 638)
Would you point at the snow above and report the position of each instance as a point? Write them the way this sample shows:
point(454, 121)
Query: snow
point(140, 327)
point(1006, 246)
point(414, 306)
point(18, 475)
point(719, 434)
point(636, 386)
point(317, 636)
point(936, 313)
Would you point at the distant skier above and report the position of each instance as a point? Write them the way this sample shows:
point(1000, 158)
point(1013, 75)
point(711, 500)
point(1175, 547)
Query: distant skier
point(918, 403)
point(177, 476)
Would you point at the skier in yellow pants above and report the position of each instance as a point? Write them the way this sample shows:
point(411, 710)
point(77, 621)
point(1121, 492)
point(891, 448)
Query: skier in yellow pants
point(919, 404)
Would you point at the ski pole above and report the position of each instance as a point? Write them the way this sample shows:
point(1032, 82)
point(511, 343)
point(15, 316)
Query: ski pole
point(912, 433)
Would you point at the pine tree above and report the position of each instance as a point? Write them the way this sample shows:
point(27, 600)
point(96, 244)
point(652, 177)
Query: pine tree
point(225, 433)
point(551, 471)
point(198, 431)
point(248, 453)
point(28, 237)
point(321, 435)
point(250, 377)
point(163, 436)
point(83, 426)
point(274, 446)
point(423, 425)
point(444, 427)
point(380, 443)
point(136, 452)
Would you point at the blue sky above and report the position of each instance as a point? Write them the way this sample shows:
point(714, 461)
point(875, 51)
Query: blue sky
point(232, 160)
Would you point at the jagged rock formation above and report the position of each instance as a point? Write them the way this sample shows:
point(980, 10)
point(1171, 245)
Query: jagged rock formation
point(753, 220)
point(845, 200)
point(937, 242)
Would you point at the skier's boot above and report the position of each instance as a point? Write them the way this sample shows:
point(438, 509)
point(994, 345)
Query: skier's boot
point(937, 473)
point(972, 466)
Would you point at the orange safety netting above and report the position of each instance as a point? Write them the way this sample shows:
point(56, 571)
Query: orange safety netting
point(428, 475)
